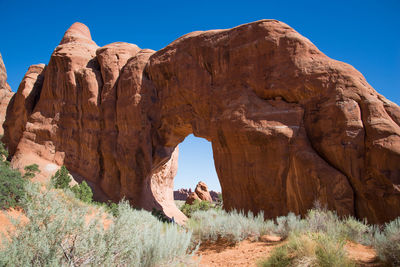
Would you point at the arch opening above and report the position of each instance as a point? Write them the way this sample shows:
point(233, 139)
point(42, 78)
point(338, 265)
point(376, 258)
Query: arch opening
point(196, 163)
point(190, 162)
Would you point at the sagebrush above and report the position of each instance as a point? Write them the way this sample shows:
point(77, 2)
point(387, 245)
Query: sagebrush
point(310, 249)
point(65, 231)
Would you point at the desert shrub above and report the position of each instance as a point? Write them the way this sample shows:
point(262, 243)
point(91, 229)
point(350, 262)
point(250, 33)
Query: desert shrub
point(348, 228)
point(288, 224)
point(219, 202)
point(321, 220)
point(83, 192)
point(3, 151)
point(31, 170)
point(279, 257)
point(311, 249)
point(233, 226)
point(11, 186)
point(188, 209)
point(112, 208)
point(387, 243)
point(64, 231)
point(61, 178)
point(357, 231)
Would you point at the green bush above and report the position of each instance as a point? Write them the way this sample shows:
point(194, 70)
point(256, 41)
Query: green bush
point(11, 186)
point(109, 206)
point(311, 249)
point(83, 192)
point(387, 243)
point(61, 178)
point(31, 170)
point(3, 151)
point(63, 231)
point(188, 209)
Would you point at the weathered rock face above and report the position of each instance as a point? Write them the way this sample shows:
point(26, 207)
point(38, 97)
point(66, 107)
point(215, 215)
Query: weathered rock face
point(3, 76)
point(288, 125)
point(21, 106)
point(200, 193)
point(5, 94)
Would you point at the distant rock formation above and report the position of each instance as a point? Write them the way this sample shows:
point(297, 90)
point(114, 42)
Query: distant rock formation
point(214, 195)
point(182, 194)
point(5, 93)
point(288, 125)
point(200, 193)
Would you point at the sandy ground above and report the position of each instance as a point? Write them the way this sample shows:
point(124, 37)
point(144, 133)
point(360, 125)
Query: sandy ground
point(5, 222)
point(248, 253)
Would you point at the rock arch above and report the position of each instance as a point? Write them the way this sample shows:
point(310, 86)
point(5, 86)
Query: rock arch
point(288, 125)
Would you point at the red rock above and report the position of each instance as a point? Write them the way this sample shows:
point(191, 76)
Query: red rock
point(5, 94)
point(288, 125)
point(182, 194)
point(214, 195)
point(21, 107)
point(192, 198)
point(202, 192)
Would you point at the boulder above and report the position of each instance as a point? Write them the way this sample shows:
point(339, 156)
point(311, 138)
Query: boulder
point(200, 193)
point(288, 125)
point(192, 198)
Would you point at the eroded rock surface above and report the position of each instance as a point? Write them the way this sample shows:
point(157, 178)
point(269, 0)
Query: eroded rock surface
point(5, 94)
point(288, 125)
point(200, 193)
point(21, 106)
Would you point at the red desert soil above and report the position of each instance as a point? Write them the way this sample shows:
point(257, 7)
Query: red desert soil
point(5, 223)
point(248, 253)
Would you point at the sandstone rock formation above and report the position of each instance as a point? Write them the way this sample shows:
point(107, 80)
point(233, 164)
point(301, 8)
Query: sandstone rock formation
point(192, 198)
point(21, 106)
point(5, 93)
point(182, 194)
point(200, 193)
point(288, 125)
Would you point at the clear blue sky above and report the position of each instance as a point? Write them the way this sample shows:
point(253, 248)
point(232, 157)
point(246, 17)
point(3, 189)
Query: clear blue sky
point(365, 34)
